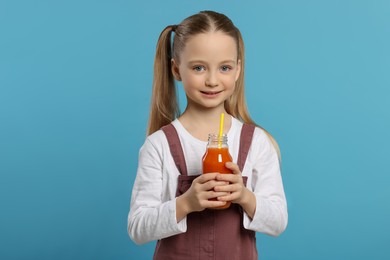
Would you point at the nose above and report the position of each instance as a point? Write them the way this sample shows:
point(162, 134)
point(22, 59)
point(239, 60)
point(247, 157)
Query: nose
point(211, 80)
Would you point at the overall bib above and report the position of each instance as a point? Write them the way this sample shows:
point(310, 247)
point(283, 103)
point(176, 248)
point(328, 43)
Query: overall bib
point(211, 234)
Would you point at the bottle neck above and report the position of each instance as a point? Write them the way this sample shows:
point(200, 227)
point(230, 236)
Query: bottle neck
point(216, 141)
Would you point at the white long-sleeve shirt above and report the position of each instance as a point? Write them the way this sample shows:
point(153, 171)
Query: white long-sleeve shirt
point(152, 213)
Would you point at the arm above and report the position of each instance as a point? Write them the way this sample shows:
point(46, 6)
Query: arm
point(151, 217)
point(271, 215)
point(263, 201)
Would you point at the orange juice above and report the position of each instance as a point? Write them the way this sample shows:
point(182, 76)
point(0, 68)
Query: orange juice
point(217, 154)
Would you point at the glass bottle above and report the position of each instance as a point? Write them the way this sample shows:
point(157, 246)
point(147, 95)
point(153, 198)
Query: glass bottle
point(217, 154)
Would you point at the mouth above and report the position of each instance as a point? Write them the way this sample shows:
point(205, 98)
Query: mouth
point(210, 93)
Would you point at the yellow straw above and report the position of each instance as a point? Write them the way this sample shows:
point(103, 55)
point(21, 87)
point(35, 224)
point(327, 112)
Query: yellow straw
point(220, 130)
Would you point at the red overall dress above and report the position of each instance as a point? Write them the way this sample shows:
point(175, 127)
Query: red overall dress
point(211, 234)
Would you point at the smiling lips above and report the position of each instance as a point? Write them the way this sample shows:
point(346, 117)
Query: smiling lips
point(210, 93)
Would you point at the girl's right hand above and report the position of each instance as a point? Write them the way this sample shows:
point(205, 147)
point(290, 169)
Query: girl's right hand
point(198, 196)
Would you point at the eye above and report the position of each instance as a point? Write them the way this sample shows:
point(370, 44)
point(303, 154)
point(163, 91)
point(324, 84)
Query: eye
point(225, 68)
point(199, 68)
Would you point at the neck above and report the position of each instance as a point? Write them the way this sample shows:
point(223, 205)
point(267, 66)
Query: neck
point(200, 123)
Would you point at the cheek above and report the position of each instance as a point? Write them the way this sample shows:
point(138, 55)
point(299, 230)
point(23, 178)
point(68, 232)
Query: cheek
point(192, 80)
point(230, 82)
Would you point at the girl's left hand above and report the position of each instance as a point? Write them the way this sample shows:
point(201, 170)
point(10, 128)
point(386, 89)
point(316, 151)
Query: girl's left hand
point(236, 186)
point(238, 192)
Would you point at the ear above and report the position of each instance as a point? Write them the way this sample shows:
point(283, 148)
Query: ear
point(175, 70)
point(238, 69)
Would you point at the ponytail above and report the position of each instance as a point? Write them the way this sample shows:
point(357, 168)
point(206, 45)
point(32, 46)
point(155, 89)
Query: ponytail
point(236, 104)
point(164, 106)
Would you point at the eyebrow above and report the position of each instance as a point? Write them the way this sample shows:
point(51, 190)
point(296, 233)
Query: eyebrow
point(202, 61)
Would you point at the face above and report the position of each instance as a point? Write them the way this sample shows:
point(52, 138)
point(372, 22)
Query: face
point(208, 69)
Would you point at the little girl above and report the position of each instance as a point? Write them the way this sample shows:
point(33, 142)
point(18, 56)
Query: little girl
point(171, 200)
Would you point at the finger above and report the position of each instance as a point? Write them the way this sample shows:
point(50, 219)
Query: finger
point(231, 178)
point(229, 197)
point(228, 188)
point(216, 194)
point(211, 184)
point(206, 177)
point(213, 203)
point(233, 167)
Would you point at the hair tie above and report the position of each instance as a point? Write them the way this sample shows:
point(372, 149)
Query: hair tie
point(174, 27)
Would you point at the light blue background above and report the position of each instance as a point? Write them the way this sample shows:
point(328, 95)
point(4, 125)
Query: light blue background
point(75, 85)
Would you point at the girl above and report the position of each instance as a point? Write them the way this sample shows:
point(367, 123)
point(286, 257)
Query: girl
point(171, 200)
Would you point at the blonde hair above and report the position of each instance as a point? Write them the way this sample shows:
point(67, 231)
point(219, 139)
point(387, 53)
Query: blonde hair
point(164, 107)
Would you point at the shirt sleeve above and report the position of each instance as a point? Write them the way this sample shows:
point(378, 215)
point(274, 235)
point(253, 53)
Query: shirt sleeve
point(150, 218)
point(271, 215)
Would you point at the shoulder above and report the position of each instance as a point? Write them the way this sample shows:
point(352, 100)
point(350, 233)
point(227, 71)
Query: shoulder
point(156, 137)
point(159, 138)
point(261, 140)
point(259, 134)
point(263, 146)
point(156, 141)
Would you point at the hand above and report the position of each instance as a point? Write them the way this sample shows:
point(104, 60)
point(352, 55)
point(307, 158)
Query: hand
point(237, 192)
point(235, 188)
point(198, 196)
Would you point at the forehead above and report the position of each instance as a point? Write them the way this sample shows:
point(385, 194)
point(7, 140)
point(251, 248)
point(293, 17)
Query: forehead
point(210, 46)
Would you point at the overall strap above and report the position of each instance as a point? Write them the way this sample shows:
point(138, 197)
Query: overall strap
point(175, 147)
point(245, 143)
